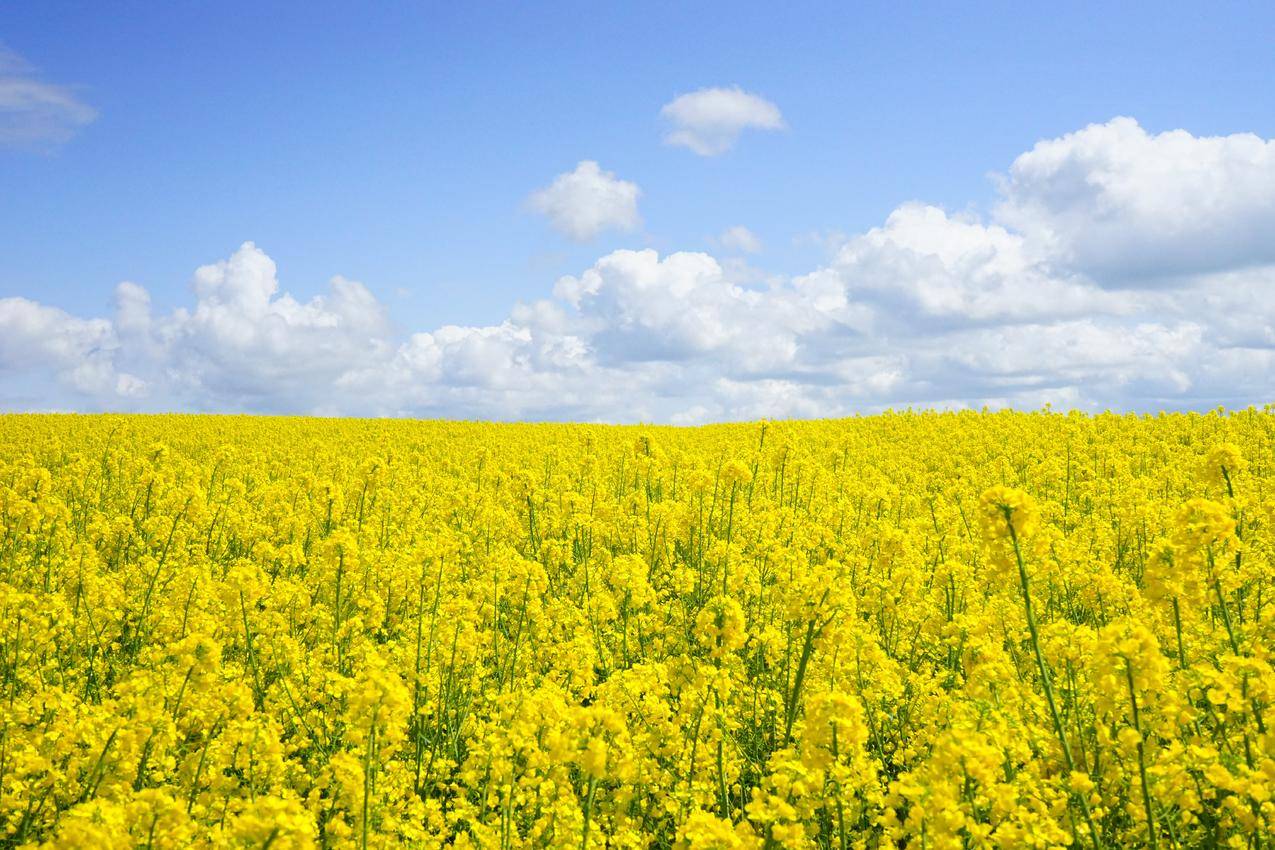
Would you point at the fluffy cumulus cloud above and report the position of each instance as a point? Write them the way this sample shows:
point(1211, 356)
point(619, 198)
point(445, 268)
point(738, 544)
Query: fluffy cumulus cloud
point(925, 267)
point(1126, 206)
point(582, 203)
point(708, 121)
point(1061, 295)
point(39, 343)
point(35, 113)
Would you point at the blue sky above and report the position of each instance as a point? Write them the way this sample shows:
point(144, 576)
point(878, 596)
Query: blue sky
point(398, 146)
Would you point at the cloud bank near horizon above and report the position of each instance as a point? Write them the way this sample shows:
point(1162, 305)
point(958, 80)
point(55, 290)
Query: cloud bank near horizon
point(1119, 269)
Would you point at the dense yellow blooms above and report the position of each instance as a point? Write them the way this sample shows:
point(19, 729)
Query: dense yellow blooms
point(912, 630)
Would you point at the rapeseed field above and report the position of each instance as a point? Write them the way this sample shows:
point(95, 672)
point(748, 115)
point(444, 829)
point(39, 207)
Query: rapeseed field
point(912, 630)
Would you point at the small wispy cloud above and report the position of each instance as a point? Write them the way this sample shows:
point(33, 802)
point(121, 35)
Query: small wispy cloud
point(739, 240)
point(708, 121)
point(35, 113)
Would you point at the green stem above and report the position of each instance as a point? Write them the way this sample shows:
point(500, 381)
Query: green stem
point(588, 814)
point(1024, 585)
point(1142, 763)
point(1177, 626)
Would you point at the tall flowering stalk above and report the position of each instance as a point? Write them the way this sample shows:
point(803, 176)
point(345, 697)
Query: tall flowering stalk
point(1009, 517)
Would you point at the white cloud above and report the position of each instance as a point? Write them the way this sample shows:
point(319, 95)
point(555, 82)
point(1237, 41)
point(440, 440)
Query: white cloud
point(930, 308)
point(708, 121)
point(39, 342)
point(1126, 206)
point(245, 342)
point(924, 264)
point(1080, 354)
point(739, 239)
point(582, 203)
point(35, 113)
point(638, 307)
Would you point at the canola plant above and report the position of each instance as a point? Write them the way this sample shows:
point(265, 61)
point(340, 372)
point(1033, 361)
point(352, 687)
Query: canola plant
point(911, 630)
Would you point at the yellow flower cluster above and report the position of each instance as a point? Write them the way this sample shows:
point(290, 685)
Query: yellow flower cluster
point(964, 630)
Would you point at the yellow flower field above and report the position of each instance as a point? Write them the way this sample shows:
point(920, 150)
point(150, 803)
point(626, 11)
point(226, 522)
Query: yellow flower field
point(921, 630)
